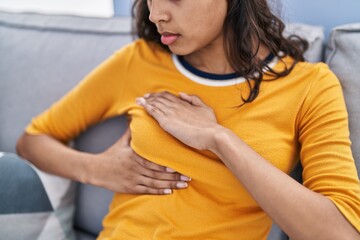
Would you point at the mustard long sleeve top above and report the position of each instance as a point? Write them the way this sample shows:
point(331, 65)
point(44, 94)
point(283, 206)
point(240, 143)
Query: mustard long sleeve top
point(300, 116)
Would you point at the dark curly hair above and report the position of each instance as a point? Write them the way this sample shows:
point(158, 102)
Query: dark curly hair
point(244, 18)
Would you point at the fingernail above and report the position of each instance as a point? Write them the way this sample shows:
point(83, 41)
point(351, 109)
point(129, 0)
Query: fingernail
point(167, 191)
point(170, 170)
point(185, 178)
point(140, 101)
point(181, 184)
point(146, 95)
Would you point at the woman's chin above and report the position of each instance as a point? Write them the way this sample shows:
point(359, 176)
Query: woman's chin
point(180, 50)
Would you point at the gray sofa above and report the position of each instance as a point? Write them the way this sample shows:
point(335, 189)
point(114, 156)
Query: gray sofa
point(42, 57)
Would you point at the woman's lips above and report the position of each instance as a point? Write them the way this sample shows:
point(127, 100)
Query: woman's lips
point(169, 38)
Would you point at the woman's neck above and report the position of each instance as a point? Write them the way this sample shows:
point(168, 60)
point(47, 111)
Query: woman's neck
point(215, 61)
point(210, 60)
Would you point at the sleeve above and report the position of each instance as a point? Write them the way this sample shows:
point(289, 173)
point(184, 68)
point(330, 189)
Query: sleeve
point(328, 164)
point(94, 99)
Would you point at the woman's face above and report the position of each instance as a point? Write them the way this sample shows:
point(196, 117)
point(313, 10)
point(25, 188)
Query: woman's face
point(187, 26)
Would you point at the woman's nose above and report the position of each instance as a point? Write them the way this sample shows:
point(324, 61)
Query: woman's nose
point(158, 11)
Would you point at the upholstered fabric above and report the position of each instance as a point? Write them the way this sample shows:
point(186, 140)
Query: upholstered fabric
point(43, 57)
point(33, 205)
point(343, 57)
point(96, 139)
point(314, 35)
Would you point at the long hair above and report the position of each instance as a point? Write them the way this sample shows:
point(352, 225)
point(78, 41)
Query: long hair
point(248, 24)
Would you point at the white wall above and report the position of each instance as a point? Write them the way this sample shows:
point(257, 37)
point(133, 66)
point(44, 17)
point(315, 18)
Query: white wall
point(96, 8)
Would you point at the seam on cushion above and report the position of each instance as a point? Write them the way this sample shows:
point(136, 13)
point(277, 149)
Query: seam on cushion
point(332, 44)
point(114, 26)
point(332, 47)
point(62, 29)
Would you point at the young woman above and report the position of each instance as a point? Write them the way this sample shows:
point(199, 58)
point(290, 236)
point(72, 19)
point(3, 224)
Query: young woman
point(217, 95)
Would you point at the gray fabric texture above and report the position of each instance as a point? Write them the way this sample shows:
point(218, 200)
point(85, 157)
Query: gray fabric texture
point(20, 188)
point(314, 35)
point(80, 235)
point(92, 202)
point(27, 207)
point(343, 57)
point(31, 225)
point(42, 58)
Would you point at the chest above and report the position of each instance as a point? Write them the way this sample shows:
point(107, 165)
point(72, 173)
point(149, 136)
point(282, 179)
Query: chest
point(267, 124)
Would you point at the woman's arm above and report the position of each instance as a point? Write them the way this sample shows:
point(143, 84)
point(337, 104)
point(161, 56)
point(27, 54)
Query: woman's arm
point(300, 212)
point(118, 169)
point(99, 96)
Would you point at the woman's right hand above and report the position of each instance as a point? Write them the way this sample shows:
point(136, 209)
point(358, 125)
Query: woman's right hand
point(120, 169)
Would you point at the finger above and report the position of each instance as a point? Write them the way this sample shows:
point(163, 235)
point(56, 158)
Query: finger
point(150, 165)
point(154, 112)
point(159, 98)
point(158, 170)
point(160, 103)
point(163, 102)
point(140, 189)
point(193, 99)
point(162, 184)
point(164, 175)
point(166, 95)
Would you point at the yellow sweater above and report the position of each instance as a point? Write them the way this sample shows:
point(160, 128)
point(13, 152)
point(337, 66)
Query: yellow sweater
point(301, 116)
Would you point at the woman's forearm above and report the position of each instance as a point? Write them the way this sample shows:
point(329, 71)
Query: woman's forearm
point(300, 212)
point(54, 157)
point(118, 169)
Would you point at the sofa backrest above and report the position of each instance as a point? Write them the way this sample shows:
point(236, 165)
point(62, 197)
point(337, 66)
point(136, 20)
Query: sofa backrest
point(343, 57)
point(42, 58)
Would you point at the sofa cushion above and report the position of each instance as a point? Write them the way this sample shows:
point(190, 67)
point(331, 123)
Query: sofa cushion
point(313, 34)
point(343, 57)
point(42, 58)
point(33, 205)
point(93, 202)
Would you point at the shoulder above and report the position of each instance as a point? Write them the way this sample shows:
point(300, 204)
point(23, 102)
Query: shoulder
point(318, 75)
point(308, 75)
point(304, 69)
point(319, 70)
point(323, 91)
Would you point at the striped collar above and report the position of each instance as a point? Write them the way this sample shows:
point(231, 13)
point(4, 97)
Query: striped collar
point(210, 79)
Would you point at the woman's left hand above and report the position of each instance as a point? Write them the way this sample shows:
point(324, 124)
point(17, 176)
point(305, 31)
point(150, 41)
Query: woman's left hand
point(185, 117)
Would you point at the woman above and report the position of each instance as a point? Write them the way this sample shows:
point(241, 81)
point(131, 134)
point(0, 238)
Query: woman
point(252, 110)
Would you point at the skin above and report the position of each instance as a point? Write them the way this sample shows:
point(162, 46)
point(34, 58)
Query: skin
point(197, 42)
point(203, 48)
point(118, 169)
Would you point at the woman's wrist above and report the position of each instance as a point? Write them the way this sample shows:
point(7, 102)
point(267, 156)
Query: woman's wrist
point(89, 164)
point(219, 137)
